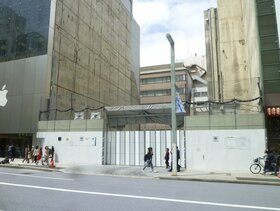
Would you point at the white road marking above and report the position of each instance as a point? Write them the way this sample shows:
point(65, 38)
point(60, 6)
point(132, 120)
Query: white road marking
point(23, 175)
point(141, 197)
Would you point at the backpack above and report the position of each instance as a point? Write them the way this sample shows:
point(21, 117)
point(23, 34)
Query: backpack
point(146, 157)
point(50, 151)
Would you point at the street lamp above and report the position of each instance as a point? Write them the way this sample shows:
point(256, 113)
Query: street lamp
point(173, 107)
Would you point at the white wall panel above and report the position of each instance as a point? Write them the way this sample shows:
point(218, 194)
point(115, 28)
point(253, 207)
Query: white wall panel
point(74, 147)
point(137, 148)
point(220, 150)
point(127, 148)
point(224, 150)
point(157, 151)
point(118, 148)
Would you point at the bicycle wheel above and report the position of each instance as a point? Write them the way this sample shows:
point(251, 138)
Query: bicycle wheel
point(255, 168)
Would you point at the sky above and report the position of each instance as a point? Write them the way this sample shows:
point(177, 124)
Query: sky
point(183, 19)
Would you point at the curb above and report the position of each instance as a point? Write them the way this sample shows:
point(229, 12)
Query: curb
point(31, 167)
point(259, 179)
point(237, 181)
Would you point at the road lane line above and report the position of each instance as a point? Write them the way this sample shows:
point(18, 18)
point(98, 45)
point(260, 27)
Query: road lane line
point(141, 197)
point(41, 177)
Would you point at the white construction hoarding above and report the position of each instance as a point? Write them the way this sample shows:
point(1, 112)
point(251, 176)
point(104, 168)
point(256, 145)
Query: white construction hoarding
point(74, 147)
point(224, 150)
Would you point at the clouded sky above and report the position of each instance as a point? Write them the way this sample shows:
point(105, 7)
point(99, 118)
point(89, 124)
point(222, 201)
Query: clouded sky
point(183, 19)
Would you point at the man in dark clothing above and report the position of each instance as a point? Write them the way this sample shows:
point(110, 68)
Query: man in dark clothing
point(177, 158)
point(10, 151)
point(167, 157)
point(13, 153)
point(270, 162)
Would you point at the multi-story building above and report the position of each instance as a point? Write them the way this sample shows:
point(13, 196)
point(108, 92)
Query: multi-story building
point(242, 51)
point(58, 57)
point(155, 86)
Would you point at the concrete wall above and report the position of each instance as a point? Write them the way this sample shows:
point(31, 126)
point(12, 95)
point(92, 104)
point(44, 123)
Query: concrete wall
point(74, 147)
point(224, 150)
point(71, 125)
point(95, 59)
point(253, 48)
point(232, 49)
point(127, 4)
point(212, 54)
point(233, 43)
point(225, 121)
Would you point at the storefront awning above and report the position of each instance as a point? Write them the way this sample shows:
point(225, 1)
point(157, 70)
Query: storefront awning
point(119, 116)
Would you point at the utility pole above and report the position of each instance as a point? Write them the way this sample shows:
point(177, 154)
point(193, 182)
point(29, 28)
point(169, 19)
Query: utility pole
point(173, 107)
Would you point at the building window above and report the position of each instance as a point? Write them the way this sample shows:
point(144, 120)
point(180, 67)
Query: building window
point(181, 91)
point(200, 94)
point(156, 93)
point(157, 80)
point(24, 28)
point(180, 77)
point(165, 79)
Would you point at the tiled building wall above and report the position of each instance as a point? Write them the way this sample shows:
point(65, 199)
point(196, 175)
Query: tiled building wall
point(93, 60)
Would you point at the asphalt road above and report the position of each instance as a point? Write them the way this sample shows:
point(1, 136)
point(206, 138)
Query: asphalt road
point(22, 189)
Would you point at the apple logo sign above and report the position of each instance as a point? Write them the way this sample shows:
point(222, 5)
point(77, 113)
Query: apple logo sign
point(3, 96)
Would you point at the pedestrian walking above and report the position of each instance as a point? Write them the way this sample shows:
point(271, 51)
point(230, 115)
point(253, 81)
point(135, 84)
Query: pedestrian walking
point(278, 160)
point(51, 152)
point(177, 160)
point(52, 156)
point(39, 156)
point(10, 151)
point(167, 158)
point(46, 156)
point(32, 154)
point(36, 153)
point(148, 159)
point(13, 152)
point(26, 154)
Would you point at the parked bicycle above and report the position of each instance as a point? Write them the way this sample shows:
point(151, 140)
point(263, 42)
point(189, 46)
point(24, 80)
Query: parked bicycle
point(257, 166)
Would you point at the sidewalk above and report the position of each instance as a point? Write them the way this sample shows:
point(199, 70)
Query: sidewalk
point(161, 173)
point(17, 163)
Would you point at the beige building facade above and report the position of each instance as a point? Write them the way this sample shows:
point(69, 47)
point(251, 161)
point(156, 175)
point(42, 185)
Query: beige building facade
point(233, 51)
point(155, 82)
point(95, 59)
point(242, 50)
point(155, 87)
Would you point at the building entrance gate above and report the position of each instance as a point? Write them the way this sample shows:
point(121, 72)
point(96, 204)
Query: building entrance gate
point(128, 148)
